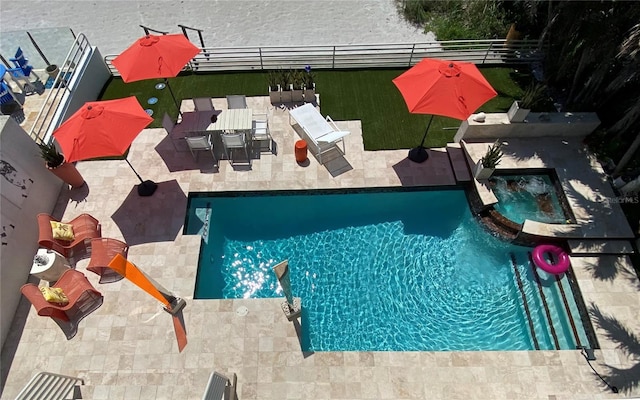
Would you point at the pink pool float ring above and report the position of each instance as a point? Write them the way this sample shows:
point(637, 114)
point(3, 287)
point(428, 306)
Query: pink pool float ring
point(561, 264)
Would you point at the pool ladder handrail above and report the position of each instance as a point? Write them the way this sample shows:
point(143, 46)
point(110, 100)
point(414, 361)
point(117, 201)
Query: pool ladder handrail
point(524, 301)
point(568, 310)
point(545, 305)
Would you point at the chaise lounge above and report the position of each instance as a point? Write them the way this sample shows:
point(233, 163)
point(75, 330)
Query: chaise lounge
point(321, 133)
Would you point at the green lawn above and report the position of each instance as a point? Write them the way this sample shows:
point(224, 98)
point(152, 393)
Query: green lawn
point(366, 95)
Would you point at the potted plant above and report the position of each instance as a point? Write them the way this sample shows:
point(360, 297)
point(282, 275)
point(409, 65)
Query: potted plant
point(487, 164)
point(533, 98)
point(273, 78)
point(309, 86)
point(54, 161)
point(297, 86)
point(285, 86)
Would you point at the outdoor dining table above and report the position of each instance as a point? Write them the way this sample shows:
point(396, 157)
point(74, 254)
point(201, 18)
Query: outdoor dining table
point(197, 121)
point(240, 119)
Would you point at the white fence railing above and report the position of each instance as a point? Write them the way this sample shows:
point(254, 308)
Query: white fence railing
point(63, 84)
point(392, 55)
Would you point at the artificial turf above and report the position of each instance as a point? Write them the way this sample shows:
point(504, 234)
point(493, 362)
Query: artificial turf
point(365, 95)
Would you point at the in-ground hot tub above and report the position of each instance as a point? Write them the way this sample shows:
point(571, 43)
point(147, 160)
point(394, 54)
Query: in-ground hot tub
point(534, 194)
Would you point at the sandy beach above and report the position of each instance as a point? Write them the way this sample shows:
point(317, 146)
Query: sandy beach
point(114, 25)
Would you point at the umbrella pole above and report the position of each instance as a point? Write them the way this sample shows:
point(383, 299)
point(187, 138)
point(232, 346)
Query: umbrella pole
point(166, 81)
point(420, 154)
point(145, 188)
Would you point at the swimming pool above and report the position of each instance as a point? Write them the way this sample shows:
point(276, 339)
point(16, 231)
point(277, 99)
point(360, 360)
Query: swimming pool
point(391, 270)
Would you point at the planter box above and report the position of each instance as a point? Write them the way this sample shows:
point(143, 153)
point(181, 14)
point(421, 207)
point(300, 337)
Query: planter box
point(481, 173)
point(286, 96)
point(310, 94)
point(297, 95)
point(274, 96)
point(517, 114)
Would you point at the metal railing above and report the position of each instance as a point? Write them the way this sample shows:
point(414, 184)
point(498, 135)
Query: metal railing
point(62, 85)
point(247, 58)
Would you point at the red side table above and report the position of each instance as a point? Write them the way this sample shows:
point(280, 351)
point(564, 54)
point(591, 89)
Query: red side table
point(301, 151)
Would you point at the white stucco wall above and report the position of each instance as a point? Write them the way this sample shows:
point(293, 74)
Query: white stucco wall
point(26, 189)
point(497, 125)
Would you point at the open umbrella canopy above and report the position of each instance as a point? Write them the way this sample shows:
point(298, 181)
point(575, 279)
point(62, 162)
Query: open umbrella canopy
point(447, 88)
point(440, 87)
point(154, 56)
point(101, 129)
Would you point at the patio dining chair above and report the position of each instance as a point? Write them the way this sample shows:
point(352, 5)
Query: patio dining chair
point(203, 104)
point(167, 123)
point(200, 143)
point(232, 142)
point(236, 101)
point(261, 132)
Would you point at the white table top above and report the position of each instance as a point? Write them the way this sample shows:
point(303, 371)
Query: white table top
point(233, 120)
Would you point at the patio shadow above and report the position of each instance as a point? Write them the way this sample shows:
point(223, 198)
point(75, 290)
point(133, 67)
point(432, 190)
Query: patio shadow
point(156, 218)
point(625, 379)
point(435, 171)
point(177, 157)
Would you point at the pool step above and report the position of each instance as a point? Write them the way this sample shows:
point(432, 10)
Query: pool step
point(595, 246)
point(458, 162)
point(497, 226)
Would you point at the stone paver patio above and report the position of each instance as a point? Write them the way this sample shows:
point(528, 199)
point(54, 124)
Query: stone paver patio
point(127, 349)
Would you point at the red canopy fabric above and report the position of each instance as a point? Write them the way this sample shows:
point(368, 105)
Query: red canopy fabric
point(101, 129)
point(155, 56)
point(447, 88)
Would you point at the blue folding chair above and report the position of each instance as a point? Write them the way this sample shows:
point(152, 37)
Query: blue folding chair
point(22, 63)
point(6, 94)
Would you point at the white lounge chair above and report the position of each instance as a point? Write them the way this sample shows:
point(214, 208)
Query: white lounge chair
point(322, 133)
point(220, 386)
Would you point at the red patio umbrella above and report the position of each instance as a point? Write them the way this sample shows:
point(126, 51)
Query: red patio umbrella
point(155, 56)
point(440, 87)
point(103, 129)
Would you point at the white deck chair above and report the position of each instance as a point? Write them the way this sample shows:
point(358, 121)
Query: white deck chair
point(203, 104)
point(322, 133)
point(261, 131)
point(234, 141)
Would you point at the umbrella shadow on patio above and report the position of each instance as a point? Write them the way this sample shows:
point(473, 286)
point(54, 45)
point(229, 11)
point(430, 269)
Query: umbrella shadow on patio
point(157, 218)
point(435, 171)
point(177, 157)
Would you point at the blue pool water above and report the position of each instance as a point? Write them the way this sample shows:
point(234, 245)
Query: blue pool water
point(380, 271)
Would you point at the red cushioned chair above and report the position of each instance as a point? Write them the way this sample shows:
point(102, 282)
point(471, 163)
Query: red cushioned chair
point(102, 252)
point(83, 300)
point(85, 228)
